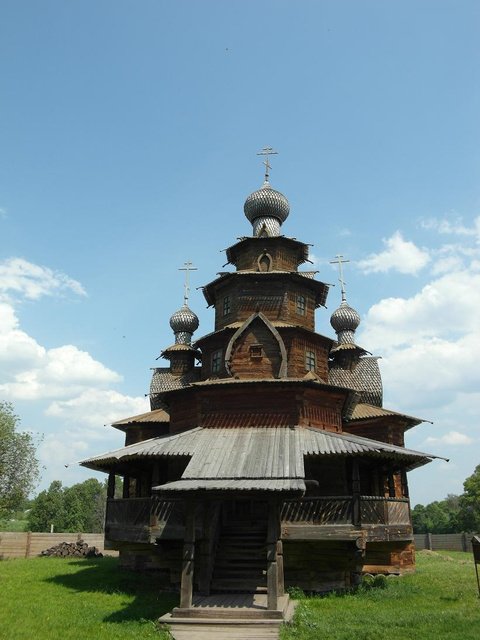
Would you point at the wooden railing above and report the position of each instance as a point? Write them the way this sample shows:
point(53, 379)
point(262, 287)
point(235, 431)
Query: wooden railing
point(128, 517)
point(324, 510)
point(375, 510)
point(342, 510)
point(133, 512)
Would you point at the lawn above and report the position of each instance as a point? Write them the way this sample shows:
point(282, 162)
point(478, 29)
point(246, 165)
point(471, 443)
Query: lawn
point(439, 602)
point(73, 599)
point(50, 598)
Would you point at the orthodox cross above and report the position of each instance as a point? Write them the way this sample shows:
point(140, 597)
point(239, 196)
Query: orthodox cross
point(186, 287)
point(339, 260)
point(267, 151)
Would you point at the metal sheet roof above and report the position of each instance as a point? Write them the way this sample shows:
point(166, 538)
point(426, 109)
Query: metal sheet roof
point(254, 452)
point(219, 484)
point(364, 411)
point(159, 415)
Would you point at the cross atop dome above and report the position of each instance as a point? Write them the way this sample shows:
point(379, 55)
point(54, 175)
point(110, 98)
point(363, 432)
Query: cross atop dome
point(267, 151)
point(339, 260)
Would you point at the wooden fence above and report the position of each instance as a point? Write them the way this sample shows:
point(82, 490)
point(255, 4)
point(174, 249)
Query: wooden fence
point(28, 545)
point(444, 541)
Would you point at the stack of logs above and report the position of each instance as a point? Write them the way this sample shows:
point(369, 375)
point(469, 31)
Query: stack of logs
point(72, 549)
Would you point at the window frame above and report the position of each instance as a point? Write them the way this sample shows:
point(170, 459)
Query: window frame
point(301, 305)
point(310, 359)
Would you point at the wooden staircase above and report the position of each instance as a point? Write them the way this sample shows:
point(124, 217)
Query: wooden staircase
point(241, 559)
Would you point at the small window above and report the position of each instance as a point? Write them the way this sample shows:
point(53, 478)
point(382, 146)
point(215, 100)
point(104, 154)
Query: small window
point(256, 351)
point(216, 361)
point(301, 305)
point(310, 360)
point(226, 306)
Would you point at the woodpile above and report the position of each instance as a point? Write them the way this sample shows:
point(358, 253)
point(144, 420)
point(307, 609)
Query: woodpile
point(72, 549)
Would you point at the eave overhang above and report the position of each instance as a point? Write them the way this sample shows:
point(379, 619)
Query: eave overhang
point(320, 289)
point(365, 413)
point(158, 416)
point(280, 325)
point(233, 251)
point(253, 453)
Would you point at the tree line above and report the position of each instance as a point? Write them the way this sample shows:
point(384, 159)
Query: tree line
point(454, 514)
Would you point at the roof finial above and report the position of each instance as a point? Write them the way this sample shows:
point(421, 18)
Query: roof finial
point(339, 260)
point(186, 287)
point(267, 151)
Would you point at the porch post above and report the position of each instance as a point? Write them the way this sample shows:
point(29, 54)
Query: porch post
point(186, 588)
point(111, 485)
point(356, 493)
point(273, 536)
point(126, 487)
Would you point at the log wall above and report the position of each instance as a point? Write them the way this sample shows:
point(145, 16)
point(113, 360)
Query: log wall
point(318, 566)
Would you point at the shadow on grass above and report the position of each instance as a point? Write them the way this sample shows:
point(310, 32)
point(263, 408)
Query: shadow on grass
point(103, 575)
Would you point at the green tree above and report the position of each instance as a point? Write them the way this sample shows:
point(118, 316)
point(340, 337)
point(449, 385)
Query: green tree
point(19, 467)
point(469, 514)
point(437, 517)
point(79, 508)
point(48, 508)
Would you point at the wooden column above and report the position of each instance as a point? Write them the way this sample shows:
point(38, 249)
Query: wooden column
point(126, 487)
point(186, 588)
point(273, 536)
point(391, 483)
point(356, 493)
point(111, 485)
point(281, 576)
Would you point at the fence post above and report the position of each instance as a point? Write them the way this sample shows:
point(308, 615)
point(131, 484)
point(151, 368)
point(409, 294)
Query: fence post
point(28, 545)
point(464, 541)
point(429, 542)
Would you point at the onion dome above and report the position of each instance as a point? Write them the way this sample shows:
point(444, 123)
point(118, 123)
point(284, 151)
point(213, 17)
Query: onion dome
point(345, 321)
point(184, 322)
point(266, 209)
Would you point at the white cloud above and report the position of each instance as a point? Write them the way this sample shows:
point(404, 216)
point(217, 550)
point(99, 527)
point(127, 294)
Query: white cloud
point(95, 407)
point(18, 276)
point(430, 348)
point(77, 386)
point(29, 371)
point(400, 255)
point(452, 438)
point(452, 226)
point(446, 306)
point(3, 213)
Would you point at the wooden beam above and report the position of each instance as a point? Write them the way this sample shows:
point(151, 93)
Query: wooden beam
point(111, 485)
point(188, 562)
point(273, 536)
point(126, 487)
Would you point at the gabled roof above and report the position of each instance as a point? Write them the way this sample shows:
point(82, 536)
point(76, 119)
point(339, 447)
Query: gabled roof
point(150, 417)
point(365, 411)
point(253, 453)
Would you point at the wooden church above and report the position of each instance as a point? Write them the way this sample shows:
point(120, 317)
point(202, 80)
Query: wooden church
point(267, 459)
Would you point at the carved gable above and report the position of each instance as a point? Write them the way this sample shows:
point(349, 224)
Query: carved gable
point(256, 350)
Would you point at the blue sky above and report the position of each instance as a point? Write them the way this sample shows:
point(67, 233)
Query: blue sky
point(129, 133)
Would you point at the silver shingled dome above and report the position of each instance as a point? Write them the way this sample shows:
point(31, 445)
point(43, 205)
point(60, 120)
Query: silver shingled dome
point(266, 203)
point(345, 320)
point(184, 322)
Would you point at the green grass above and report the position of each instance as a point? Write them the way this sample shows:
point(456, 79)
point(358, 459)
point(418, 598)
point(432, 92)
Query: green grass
point(439, 602)
point(72, 599)
point(69, 599)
